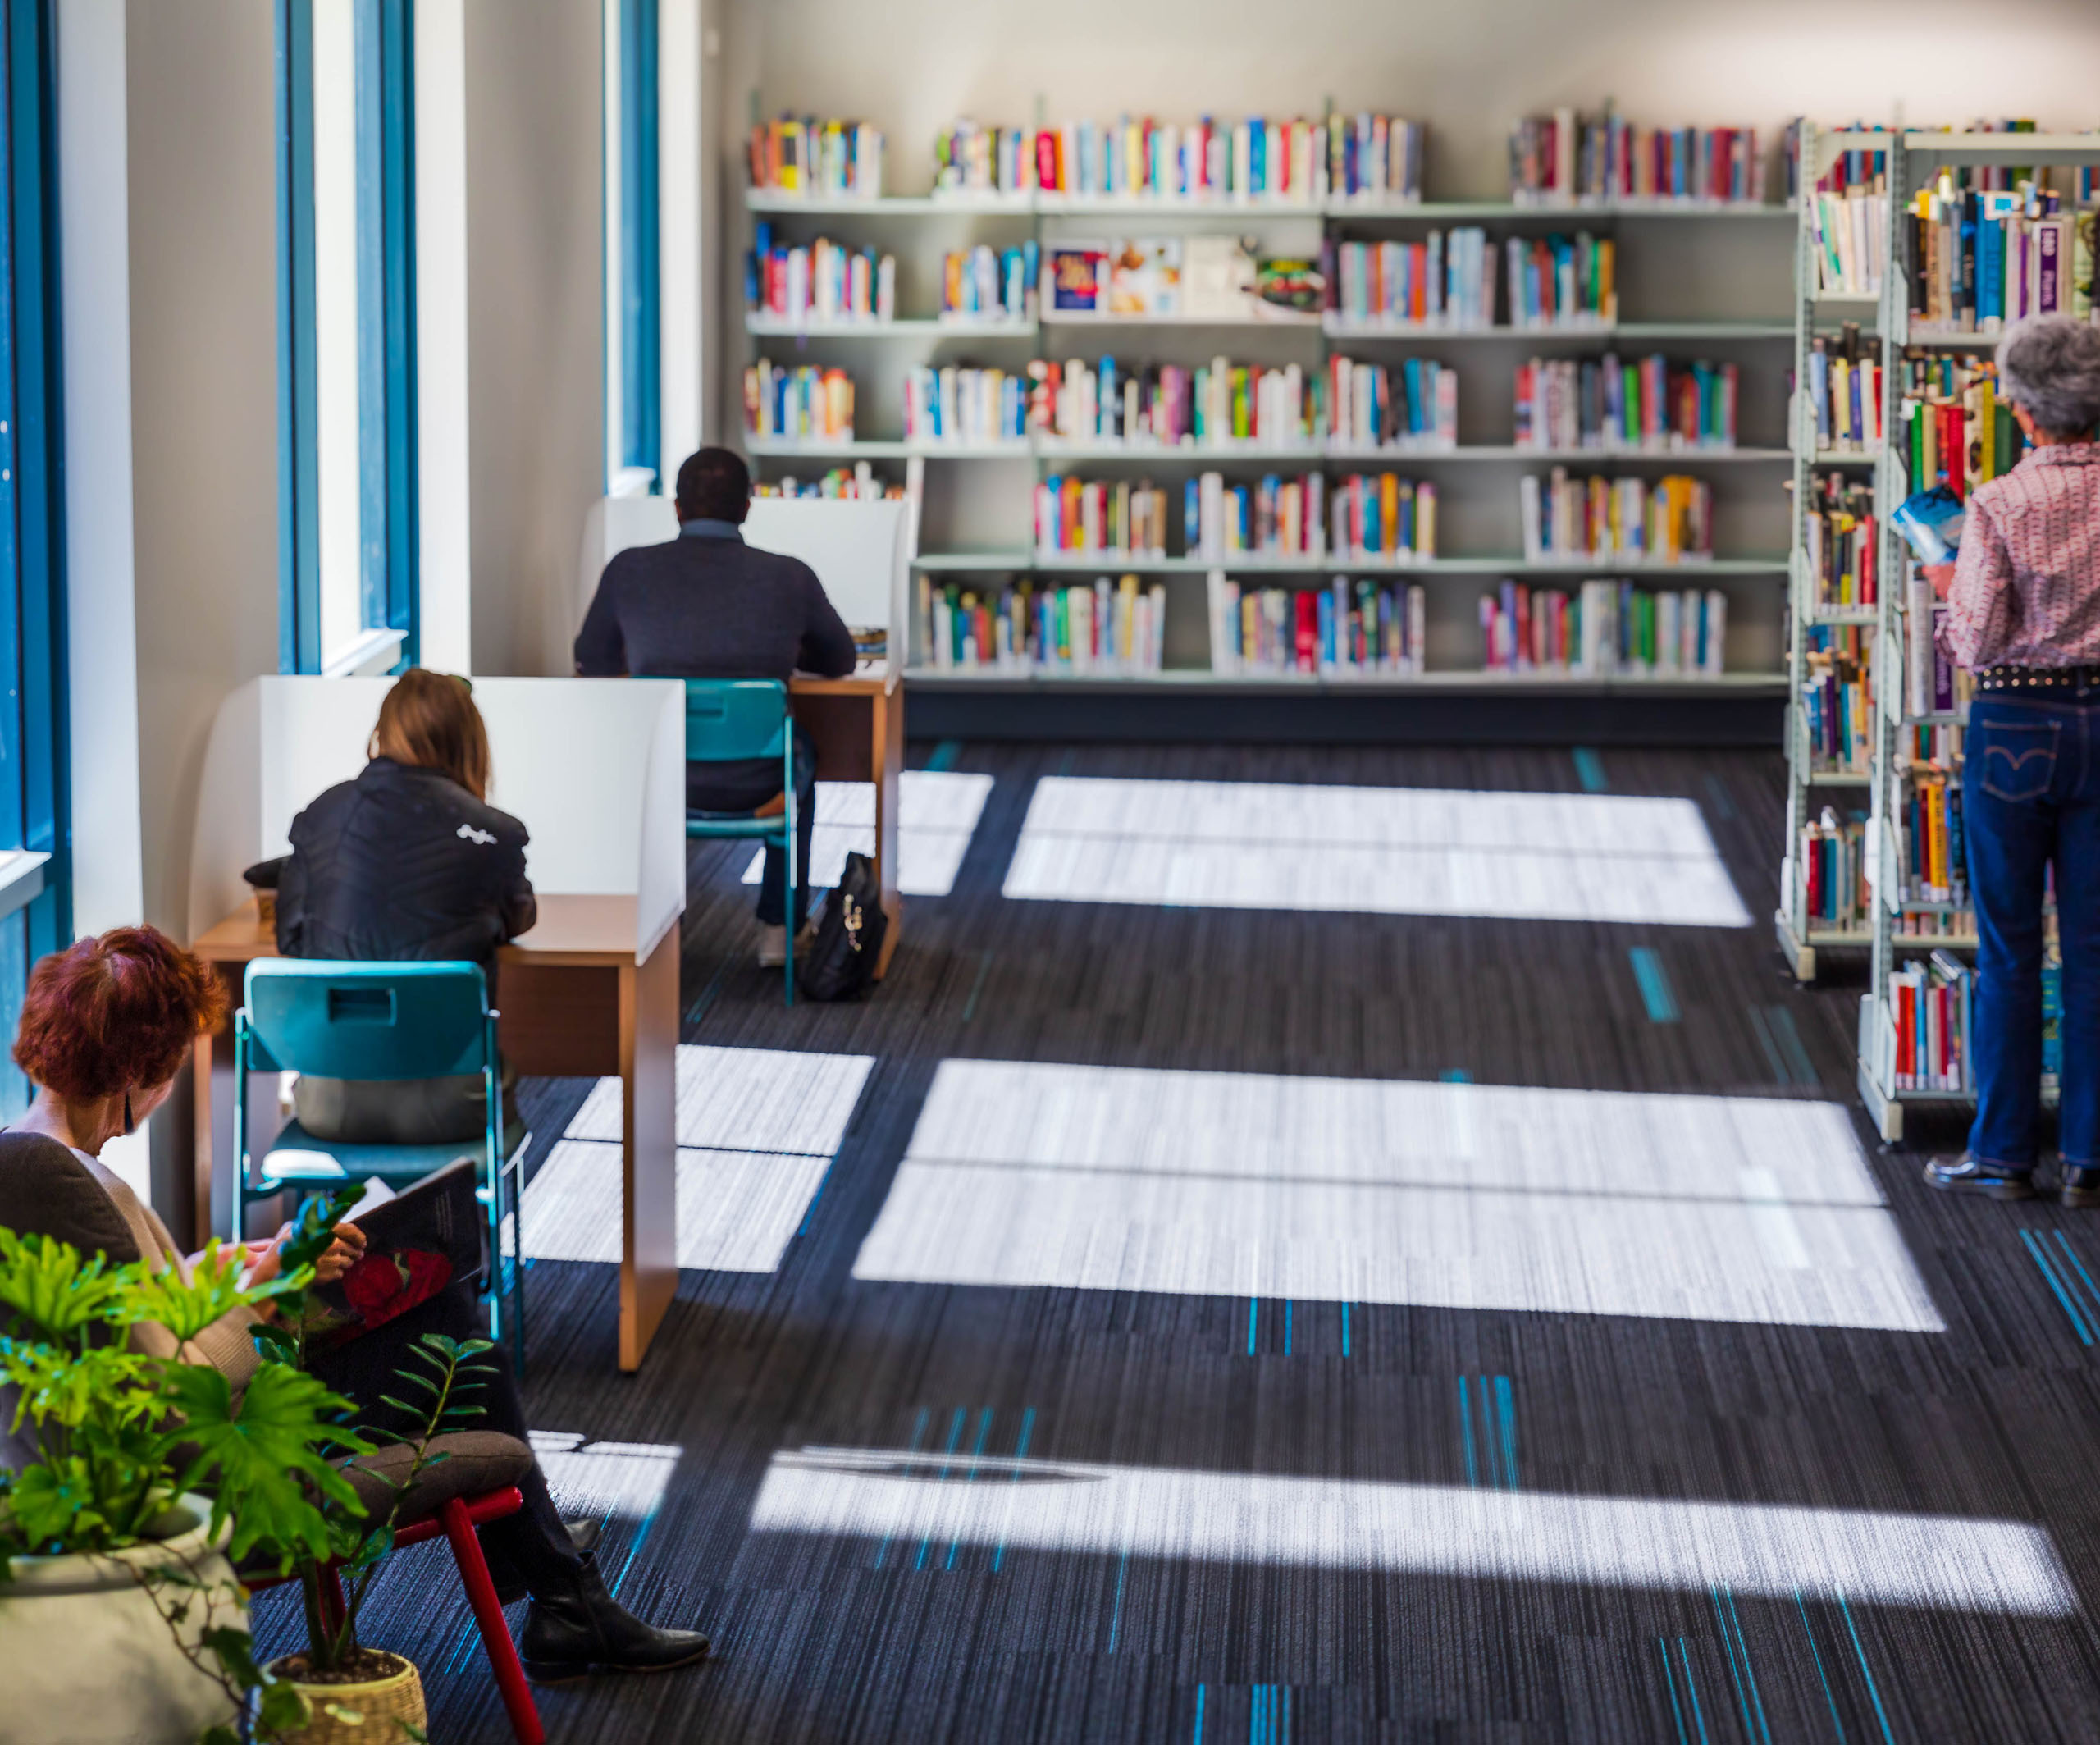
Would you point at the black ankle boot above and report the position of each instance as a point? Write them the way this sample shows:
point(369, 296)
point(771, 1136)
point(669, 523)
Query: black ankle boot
point(584, 1533)
point(1966, 1176)
point(568, 1635)
point(2080, 1186)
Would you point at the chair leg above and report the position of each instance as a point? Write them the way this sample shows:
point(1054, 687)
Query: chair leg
point(514, 1202)
point(488, 1617)
point(334, 1607)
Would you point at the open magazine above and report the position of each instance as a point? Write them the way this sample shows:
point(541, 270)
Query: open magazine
point(419, 1241)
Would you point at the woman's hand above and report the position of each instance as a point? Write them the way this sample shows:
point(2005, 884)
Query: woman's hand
point(343, 1254)
point(1942, 578)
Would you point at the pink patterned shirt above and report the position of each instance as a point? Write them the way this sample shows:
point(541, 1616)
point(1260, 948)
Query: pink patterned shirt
point(2026, 587)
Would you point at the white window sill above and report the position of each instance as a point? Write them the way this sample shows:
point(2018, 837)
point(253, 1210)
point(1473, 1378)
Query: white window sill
point(21, 878)
point(630, 481)
point(373, 654)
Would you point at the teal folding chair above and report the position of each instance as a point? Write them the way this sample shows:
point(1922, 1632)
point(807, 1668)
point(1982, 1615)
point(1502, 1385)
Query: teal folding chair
point(732, 720)
point(378, 1021)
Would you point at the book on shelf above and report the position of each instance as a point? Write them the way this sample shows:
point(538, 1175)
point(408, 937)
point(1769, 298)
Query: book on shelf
point(1144, 276)
point(988, 284)
point(1837, 698)
point(1931, 865)
point(816, 159)
point(1086, 517)
point(960, 404)
point(1848, 220)
point(1844, 391)
point(1410, 405)
point(1840, 537)
point(1667, 520)
point(1562, 281)
point(1638, 404)
point(1345, 628)
point(1275, 517)
point(1932, 684)
point(1368, 159)
point(1982, 257)
point(1959, 433)
point(971, 159)
point(800, 404)
point(1375, 159)
point(1927, 926)
point(1444, 280)
point(857, 484)
point(822, 280)
point(1835, 891)
point(1149, 405)
point(1928, 1006)
point(1605, 628)
point(1382, 518)
point(1115, 629)
point(1569, 159)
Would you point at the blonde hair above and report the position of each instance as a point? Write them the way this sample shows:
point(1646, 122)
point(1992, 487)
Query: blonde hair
point(429, 720)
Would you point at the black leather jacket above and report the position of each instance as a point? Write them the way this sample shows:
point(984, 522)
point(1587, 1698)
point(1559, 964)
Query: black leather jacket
point(403, 863)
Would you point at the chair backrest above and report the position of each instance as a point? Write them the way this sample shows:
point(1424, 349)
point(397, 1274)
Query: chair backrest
point(728, 720)
point(367, 1021)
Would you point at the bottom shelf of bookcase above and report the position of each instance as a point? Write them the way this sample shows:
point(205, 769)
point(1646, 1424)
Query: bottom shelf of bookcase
point(1484, 684)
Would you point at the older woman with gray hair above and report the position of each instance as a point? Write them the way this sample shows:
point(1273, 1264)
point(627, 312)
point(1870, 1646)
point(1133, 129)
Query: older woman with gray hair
point(2024, 617)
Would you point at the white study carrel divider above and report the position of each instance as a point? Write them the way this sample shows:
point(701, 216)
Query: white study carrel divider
point(594, 769)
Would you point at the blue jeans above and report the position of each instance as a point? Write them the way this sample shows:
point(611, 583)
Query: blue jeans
point(744, 788)
point(2030, 796)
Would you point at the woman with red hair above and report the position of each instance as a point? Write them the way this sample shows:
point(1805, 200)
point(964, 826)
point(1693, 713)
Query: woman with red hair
point(105, 1026)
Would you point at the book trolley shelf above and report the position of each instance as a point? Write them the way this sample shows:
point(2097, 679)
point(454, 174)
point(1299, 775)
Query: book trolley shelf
point(1696, 280)
point(1915, 161)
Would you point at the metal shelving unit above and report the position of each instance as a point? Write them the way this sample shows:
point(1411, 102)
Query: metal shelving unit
point(1913, 160)
point(957, 513)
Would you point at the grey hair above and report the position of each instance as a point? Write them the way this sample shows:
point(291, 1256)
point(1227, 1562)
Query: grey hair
point(2050, 365)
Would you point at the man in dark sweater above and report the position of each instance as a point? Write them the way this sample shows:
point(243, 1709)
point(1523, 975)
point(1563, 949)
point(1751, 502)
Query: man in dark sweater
point(707, 605)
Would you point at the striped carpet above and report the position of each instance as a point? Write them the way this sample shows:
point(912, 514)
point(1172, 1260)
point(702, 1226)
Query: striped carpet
point(1218, 1324)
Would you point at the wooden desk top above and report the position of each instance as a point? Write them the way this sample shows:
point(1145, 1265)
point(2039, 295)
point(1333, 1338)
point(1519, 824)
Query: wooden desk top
point(873, 678)
point(572, 929)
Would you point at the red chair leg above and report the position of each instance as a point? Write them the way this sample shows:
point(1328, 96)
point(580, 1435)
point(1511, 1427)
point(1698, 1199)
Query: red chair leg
point(334, 1607)
point(496, 1631)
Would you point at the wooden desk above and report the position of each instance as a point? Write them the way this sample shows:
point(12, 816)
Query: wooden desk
point(573, 1001)
point(858, 725)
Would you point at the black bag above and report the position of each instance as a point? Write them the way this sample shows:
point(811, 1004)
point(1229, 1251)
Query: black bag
point(841, 960)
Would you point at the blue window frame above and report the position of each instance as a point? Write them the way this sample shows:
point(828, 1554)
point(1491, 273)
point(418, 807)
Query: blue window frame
point(347, 431)
point(35, 911)
point(641, 440)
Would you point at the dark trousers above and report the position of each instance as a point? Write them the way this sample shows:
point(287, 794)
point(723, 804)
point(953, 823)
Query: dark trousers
point(532, 1545)
point(744, 788)
point(406, 1112)
point(2030, 800)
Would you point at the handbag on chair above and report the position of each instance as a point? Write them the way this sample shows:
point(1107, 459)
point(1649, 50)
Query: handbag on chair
point(841, 960)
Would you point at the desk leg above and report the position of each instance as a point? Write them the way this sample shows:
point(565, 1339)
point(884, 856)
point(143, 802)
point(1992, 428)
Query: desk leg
point(649, 1222)
point(887, 759)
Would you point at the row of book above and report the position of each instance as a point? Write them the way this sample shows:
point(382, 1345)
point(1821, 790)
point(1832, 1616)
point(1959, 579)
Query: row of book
point(1444, 280)
point(1929, 746)
point(799, 404)
point(822, 280)
point(1113, 628)
point(1844, 391)
point(1837, 698)
point(1850, 240)
point(1833, 871)
point(1360, 628)
point(1359, 518)
point(1932, 863)
point(961, 403)
point(1156, 278)
point(1565, 158)
point(810, 157)
point(1413, 404)
point(1959, 433)
point(1666, 520)
point(970, 158)
point(1933, 684)
point(1562, 281)
point(1169, 406)
point(1647, 404)
point(1842, 539)
point(1929, 1006)
point(988, 284)
point(859, 484)
point(1603, 628)
point(1125, 519)
point(1980, 260)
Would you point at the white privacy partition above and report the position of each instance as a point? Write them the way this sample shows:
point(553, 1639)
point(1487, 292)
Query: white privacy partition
point(594, 768)
point(861, 551)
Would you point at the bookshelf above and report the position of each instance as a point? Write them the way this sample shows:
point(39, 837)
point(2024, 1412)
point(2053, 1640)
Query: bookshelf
point(1915, 161)
point(1698, 281)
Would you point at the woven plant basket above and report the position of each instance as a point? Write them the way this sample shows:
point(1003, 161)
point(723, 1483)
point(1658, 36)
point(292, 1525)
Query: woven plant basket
point(378, 1705)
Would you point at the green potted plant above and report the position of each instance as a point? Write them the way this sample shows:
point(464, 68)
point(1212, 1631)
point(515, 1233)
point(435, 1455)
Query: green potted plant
point(120, 1617)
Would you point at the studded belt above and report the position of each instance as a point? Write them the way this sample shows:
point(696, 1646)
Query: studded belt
point(2038, 677)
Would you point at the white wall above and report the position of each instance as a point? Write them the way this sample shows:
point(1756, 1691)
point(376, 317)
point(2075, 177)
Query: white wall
point(535, 311)
point(1467, 70)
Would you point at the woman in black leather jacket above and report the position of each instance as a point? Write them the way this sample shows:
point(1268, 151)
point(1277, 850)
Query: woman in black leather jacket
point(409, 861)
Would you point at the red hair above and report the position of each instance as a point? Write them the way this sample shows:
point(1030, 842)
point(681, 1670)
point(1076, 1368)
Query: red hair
point(115, 1013)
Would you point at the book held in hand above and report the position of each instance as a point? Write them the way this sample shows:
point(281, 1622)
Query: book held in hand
point(418, 1242)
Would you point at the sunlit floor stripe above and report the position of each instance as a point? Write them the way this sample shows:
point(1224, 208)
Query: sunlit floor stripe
point(937, 814)
point(1457, 1195)
point(1902, 1559)
point(757, 1129)
point(623, 1481)
point(1387, 851)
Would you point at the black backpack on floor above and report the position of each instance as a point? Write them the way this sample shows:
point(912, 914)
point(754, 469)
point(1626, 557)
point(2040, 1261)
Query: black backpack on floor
point(841, 960)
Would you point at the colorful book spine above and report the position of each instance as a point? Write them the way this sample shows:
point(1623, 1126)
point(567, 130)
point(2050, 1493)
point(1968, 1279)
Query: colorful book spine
point(1219, 405)
point(815, 159)
point(800, 405)
point(1837, 699)
point(1982, 257)
point(1280, 162)
point(1841, 538)
point(821, 281)
point(1568, 159)
point(857, 484)
point(972, 159)
point(1347, 629)
point(960, 404)
point(1382, 518)
point(1114, 628)
point(1375, 160)
point(1562, 281)
point(1929, 1006)
point(1960, 433)
point(1834, 870)
point(1665, 520)
point(1844, 391)
point(988, 284)
point(1444, 280)
point(1095, 517)
point(1275, 516)
point(1642, 406)
point(1603, 628)
point(1413, 405)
